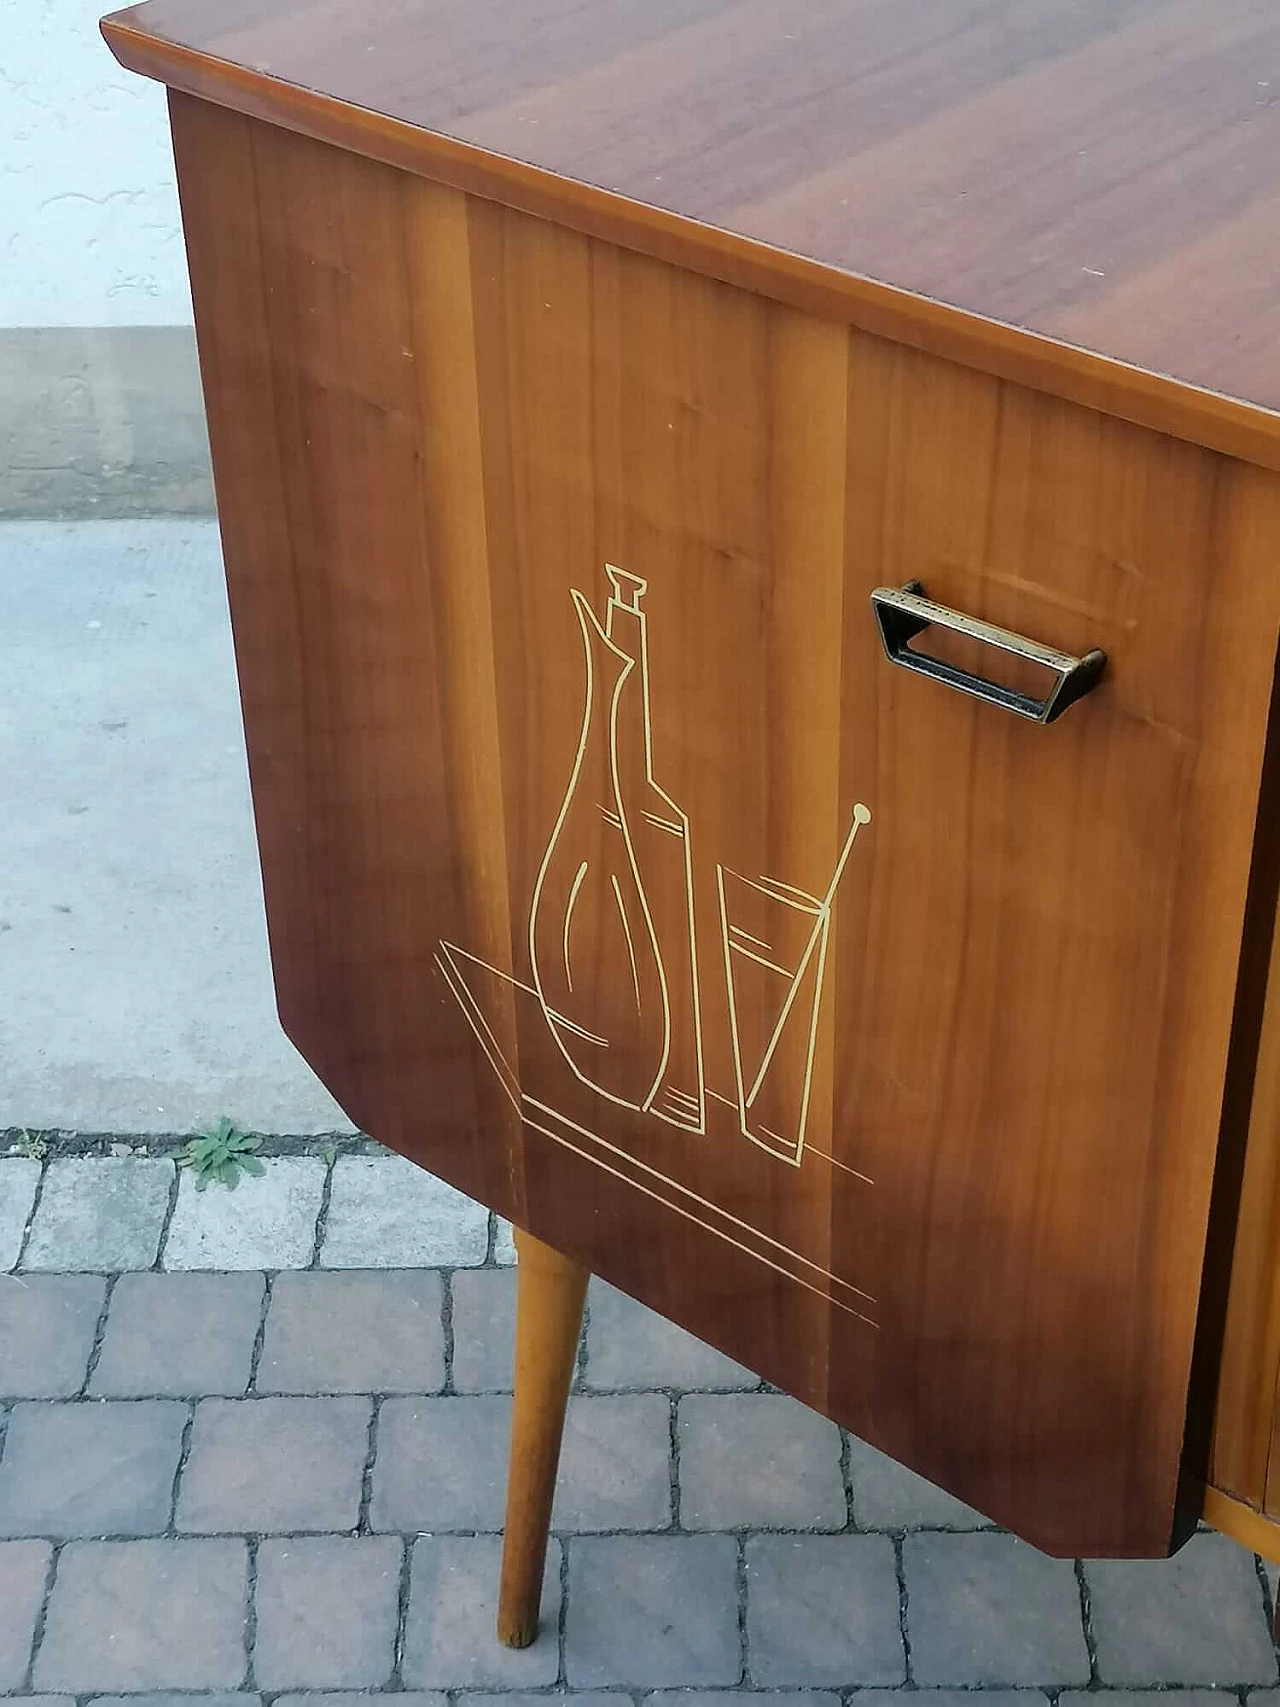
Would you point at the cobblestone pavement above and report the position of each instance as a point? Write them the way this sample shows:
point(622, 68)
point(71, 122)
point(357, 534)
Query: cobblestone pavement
point(254, 1443)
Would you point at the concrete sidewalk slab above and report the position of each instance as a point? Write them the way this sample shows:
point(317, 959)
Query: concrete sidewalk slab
point(135, 991)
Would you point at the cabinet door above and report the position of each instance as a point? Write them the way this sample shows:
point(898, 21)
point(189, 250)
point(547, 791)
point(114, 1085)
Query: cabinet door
point(871, 1031)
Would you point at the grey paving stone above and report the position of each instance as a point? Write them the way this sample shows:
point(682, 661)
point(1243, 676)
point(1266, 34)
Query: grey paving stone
point(758, 1460)
point(135, 1615)
point(353, 1333)
point(652, 1611)
point(47, 1324)
point(631, 1346)
point(965, 1698)
point(386, 1212)
point(1138, 1698)
point(989, 1608)
point(327, 1608)
point(179, 1334)
point(484, 1329)
point(504, 1242)
point(90, 1469)
point(18, 1180)
point(822, 1610)
point(886, 1495)
point(24, 1568)
point(531, 1698)
point(1196, 1618)
point(100, 1213)
point(267, 1222)
point(441, 1464)
point(739, 1697)
point(195, 1700)
point(615, 1464)
point(274, 1464)
point(339, 1698)
point(449, 1640)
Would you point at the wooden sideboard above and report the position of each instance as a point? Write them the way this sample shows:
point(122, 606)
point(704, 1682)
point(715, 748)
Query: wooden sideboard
point(606, 402)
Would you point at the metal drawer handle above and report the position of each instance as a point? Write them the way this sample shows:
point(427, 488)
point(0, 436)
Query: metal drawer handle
point(903, 612)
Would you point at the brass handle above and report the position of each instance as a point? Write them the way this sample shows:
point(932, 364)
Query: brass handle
point(903, 612)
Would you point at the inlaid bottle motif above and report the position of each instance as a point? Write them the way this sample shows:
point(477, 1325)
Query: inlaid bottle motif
point(611, 928)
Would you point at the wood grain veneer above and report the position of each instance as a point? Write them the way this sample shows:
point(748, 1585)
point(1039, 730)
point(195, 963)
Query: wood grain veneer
point(1101, 175)
point(434, 420)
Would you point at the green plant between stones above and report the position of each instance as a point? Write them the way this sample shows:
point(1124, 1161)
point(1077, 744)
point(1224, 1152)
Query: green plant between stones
point(222, 1155)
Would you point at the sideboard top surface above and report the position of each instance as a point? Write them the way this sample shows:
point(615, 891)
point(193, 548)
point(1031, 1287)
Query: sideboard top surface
point(1105, 173)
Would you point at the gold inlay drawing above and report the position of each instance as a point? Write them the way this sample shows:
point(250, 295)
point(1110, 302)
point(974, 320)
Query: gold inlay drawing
point(613, 956)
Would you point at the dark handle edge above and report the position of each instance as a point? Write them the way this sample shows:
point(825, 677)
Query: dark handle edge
point(903, 612)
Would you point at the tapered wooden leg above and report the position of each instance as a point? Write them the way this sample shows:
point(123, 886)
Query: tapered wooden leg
point(550, 1294)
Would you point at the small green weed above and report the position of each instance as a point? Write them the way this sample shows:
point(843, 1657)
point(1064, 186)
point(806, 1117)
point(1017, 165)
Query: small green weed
point(222, 1155)
point(30, 1145)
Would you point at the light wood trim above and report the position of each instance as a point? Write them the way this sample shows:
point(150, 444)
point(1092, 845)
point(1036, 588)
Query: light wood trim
point(1250, 1371)
point(1252, 1529)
